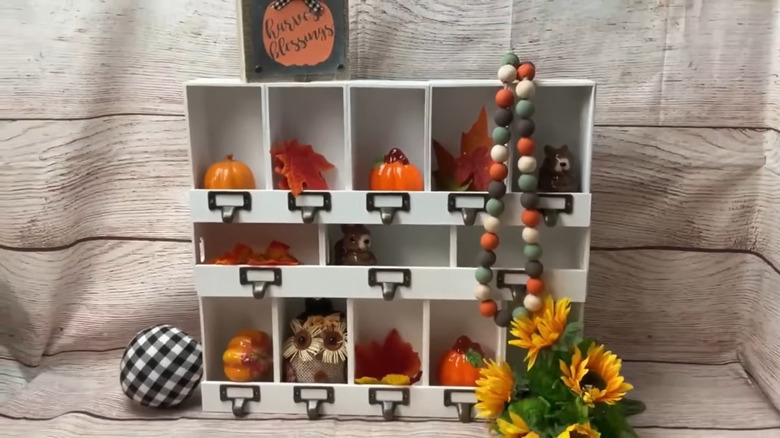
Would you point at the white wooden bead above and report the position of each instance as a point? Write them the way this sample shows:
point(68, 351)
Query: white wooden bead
point(526, 164)
point(507, 74)
point(499, 153)
point(532, 303)
point(482, 292)
point(531, 235)
point(525, 89)
point(492, 224)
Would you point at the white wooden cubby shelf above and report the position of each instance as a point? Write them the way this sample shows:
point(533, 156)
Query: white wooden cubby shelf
point(425, 242)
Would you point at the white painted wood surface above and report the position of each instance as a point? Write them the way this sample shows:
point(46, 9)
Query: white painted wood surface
point(99, 159)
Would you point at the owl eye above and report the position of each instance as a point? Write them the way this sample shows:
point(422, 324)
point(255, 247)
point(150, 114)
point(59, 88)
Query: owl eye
point(305, 343)
point(335, 344)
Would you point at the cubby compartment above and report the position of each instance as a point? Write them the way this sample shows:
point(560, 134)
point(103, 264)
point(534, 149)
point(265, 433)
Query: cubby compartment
point(562, 247)
point(215, 242)
point(374, 320)
point(451, 319)
point(455, 108)
point(313, 340)
point(225, 120)
point(562, 116)
point(313, 115)
point(395, 245)
point(223, 319)
point(384, 118)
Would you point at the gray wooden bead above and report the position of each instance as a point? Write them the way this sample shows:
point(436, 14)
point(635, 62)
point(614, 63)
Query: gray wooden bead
point(486, 259)
point(502, 117)
point(496, 189)
point(503, 317)
point(494, 207)
point(534, 269)
point(529, 200)
point(483, 275)
point(525, 127)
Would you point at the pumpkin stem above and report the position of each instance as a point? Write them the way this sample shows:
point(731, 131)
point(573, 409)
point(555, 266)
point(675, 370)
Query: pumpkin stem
point(229, 157)
point(396, 154)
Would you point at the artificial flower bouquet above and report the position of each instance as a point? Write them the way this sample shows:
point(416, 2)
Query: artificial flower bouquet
point(570, 388)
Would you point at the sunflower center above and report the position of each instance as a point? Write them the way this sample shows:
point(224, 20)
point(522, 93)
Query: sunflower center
point(593, 380)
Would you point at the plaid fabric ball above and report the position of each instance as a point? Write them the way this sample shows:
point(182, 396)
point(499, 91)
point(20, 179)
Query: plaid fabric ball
point(161, 367)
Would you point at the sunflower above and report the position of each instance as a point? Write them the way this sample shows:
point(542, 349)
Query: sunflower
point(515, 428)
point(596, 377)
point(494, 389)
point(542, 329)
point(579, 431)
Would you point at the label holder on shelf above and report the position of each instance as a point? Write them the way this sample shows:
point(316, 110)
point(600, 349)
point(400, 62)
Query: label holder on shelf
point(228, 209)
point(400, 396)
point(464, 409)
point(517, 288)
point(259, 287)
point(550, 213)
point(313, 404)
point(389, 287)
point(239, 404)
point(387, 212)
point(469, 213)
point(309, 212)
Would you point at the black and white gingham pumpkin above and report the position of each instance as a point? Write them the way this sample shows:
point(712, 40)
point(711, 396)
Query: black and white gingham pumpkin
point(161, 366)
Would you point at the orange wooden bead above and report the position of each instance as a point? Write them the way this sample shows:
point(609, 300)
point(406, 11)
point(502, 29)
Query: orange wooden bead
point(526, 71)
point(530, 218)
point(505, 98)
point(534, 286)
point(489, 241)
point(526, 146)
point(498, 171)
point(488, 308)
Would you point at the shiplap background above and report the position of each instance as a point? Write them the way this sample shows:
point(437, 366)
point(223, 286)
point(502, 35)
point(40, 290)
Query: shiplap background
point(95, 239)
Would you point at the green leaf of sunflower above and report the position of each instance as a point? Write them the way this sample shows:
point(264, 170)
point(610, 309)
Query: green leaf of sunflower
point(631, 407)
point(571, 336)
point(610, 420)
point(534, 411)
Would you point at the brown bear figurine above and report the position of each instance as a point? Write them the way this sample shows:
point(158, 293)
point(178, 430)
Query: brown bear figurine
point(557, 171)
point(353, 248)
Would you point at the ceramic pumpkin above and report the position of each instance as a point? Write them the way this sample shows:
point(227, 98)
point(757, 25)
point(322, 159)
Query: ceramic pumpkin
point(294, 36)
point(229, 174)
point(248, 356)
point(396, 173)
point(457, 367)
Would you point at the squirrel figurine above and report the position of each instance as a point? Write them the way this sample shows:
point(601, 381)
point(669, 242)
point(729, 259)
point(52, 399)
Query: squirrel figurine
point(557, 171)
point(353, 248)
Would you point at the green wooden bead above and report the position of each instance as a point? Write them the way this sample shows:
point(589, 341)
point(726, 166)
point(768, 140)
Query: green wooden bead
point(532, 252)
point(501, 135)
point(519, 311)
point(526, 182)
point(494, 207)
point(510, 58)
point(483, 275)
point(524, 109)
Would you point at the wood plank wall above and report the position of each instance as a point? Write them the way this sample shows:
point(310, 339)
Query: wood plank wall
point(94, 233)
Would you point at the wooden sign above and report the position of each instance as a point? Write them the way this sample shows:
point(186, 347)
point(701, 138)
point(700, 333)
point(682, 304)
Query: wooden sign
point(294, 39)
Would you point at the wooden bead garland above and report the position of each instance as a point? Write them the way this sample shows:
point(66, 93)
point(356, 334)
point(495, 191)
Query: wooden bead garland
point(517, 79)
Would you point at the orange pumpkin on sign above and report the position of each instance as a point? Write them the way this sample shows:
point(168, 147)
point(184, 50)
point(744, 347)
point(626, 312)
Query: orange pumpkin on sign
point(294, 35)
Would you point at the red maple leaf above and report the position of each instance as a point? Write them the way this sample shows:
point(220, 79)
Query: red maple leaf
point(300, 166)
point(470, 168)
point(394, 356)
point(477, 136)
point(475, 166)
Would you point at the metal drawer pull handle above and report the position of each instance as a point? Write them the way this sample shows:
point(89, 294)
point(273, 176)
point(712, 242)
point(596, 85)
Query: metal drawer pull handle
point(239, 403)
point(472, 204)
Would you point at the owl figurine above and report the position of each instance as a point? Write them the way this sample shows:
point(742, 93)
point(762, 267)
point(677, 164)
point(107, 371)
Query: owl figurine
point(316, 352)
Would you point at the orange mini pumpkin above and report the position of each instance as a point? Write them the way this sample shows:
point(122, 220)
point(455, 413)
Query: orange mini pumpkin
point(229, 174)
point(460, 365)
point(248, 356)
point(396, 173)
